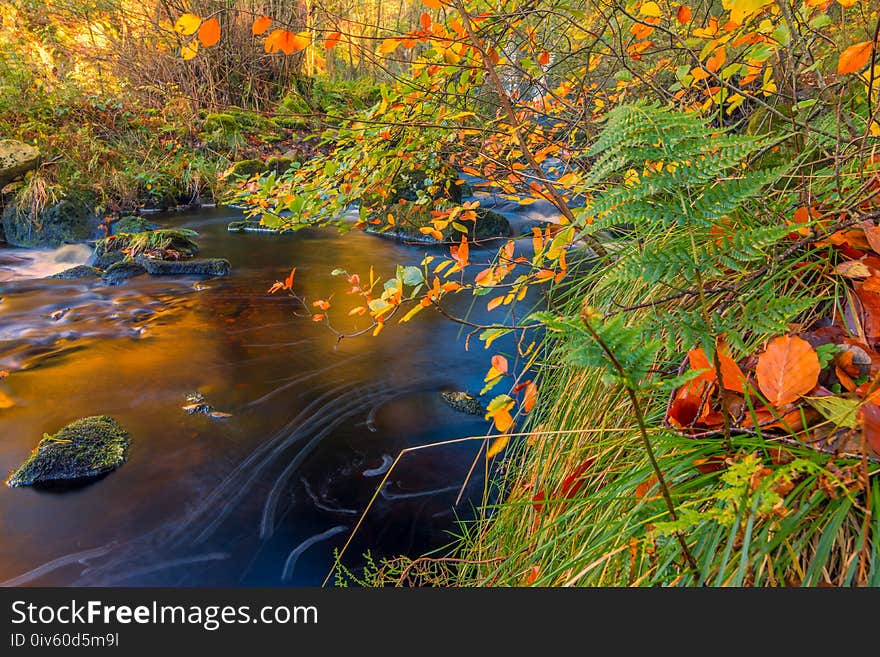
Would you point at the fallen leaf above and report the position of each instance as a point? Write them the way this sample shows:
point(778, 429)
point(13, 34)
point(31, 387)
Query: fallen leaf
point(788, 369)
point(869, 421)
point(732, 375)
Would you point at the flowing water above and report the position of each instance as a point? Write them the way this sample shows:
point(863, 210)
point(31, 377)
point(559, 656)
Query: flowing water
point(259, 498)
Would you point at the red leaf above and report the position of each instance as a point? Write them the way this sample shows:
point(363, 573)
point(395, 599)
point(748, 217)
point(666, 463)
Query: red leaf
point(869, 421)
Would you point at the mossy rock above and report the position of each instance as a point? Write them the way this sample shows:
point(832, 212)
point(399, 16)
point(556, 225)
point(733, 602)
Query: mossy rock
point(86, 448)
point(67, 221)
point(16, 159)
point(119, 272)
point(133, 224)
point(219, 122)
point(280, 164)
point(80, 271)
point(102, 259)
point(156, 243)
point(247, 168)
point(205, 267)
point(463, 402)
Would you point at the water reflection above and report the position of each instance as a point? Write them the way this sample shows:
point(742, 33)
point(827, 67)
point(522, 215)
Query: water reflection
point(261, 497)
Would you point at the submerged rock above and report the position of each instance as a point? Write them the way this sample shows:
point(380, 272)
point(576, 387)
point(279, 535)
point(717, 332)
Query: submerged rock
point(196, 405)
point(463, 402)
point(16, 159)
point(201, 267)
point(132, 224)
point(85, 448)
point(80, 271)
point(119, 272)
point(64, 222)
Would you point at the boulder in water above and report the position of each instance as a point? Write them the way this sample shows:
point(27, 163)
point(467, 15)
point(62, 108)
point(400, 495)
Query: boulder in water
point(80, 271)
point(463, 402)
point(83, 449)
point(16, 159)
point(119, 272)
point(67, 221)
point(201, 267)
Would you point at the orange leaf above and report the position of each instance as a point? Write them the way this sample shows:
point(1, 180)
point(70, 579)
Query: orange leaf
point(288, 282)
point(854, 58)
point(286, 41)
point(317, 317)
point(332, 39)
point(499, 363)
point(433, 4)
point(533, 574)
point(544, 58)
point(261, 25)
point(683, 15)
point(717, 60)
point(730, 371)
point(425, 21)
point(788, 369)
point(494, 303)
point(209, 32)
point(503, 420)
point(530, 397)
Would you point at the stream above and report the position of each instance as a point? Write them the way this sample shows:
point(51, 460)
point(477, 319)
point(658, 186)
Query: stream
point(264, 496)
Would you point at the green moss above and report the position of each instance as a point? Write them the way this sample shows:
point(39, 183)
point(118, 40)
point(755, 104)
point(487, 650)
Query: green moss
point(247, 168)
point(85, 448)
point(133, 224)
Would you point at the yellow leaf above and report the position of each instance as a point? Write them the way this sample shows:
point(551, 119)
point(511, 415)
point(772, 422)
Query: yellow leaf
point(497, 446)
point(388, 46)
point(650, 9)
point(187, 24)
point(209, 32)
point(189, 50)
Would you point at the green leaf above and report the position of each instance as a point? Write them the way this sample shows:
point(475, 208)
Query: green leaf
point(839, 411)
